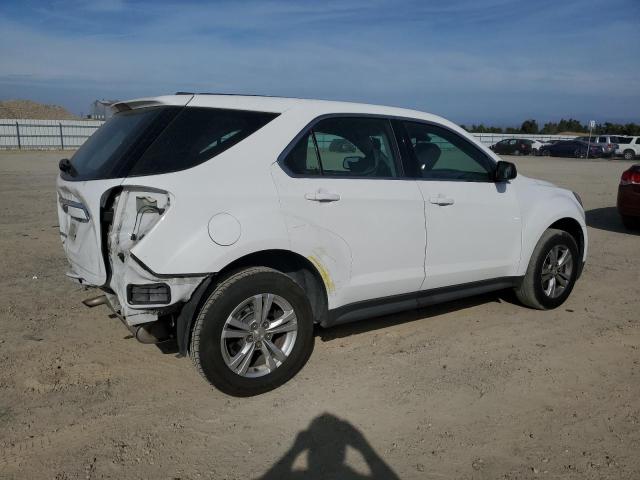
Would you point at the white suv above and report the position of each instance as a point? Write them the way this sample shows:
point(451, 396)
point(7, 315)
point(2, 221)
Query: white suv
point(235, 224)
point(628, 147)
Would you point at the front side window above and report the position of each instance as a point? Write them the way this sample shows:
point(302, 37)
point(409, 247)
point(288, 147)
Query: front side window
point(441, 154)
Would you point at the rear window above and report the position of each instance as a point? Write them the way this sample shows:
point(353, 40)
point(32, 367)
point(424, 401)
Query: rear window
point(110, 150)
point(159, 140)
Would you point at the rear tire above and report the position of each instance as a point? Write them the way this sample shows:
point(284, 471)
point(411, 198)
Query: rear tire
point(629, 154)
point(231, 328)
point(535, 291)
point(546, 153)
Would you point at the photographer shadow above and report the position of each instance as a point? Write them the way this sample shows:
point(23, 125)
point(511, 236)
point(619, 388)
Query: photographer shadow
point(325, 442)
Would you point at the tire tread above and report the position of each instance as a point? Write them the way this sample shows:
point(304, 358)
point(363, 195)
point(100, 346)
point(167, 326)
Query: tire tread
point(218, 293)
point(526, 292)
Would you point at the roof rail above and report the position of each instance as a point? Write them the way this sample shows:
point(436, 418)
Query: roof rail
point(237, 95)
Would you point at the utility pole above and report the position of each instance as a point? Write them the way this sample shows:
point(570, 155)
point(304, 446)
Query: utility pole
point(592, 123)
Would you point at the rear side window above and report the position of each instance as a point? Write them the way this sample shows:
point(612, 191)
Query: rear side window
point(157, 140)
point(624, 140)
point(345, 147)
point(196, 135)
point(303, 157)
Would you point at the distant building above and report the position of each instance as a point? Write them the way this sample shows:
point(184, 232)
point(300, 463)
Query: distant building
point(101, 109)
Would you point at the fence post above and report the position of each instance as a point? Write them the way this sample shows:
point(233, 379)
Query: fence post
point(61, 138)
point(18, 135)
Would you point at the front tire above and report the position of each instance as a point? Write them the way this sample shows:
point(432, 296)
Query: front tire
point(254, 332)
point(552, 271)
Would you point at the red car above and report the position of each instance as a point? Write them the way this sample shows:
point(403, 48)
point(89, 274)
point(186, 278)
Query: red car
point(629, 197)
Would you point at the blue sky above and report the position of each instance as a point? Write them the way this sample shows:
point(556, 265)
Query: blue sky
point(493, 61)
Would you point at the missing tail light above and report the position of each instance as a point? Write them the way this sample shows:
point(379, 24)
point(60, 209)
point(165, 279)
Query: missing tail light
point(150, 294)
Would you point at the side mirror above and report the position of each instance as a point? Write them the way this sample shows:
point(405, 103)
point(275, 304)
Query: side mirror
point(349, 162)
point(505, 171)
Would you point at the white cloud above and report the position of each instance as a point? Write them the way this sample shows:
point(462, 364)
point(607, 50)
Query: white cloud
point(342, 50)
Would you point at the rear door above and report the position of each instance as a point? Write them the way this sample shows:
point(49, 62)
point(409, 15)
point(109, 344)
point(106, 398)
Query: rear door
point(473, 224)
point(349, 210)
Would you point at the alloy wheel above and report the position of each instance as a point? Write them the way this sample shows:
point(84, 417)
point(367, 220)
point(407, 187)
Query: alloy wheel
point(556, 271)
point(259, 335)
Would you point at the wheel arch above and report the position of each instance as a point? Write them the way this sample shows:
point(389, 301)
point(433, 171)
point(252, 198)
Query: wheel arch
point(297, 267)
point(573, 228)
point(556, 208)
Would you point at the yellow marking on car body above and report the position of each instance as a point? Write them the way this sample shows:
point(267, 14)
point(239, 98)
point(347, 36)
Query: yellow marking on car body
point(326, 278)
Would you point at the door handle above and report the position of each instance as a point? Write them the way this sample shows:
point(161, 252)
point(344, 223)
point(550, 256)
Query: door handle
point(441, 200)
point(322, 196)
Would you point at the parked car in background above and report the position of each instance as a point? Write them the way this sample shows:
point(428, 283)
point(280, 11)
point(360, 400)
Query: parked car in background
point(628, 147)
point(513, 146)
point(609, 143)
point(572, 148)
point(229, 224)
point(546, 143)
point(536, 147)
point(629, 197)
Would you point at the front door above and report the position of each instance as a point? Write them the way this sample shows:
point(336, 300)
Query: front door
point(350, 212)
point(473, 223)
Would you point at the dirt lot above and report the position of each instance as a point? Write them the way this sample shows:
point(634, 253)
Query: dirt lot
point(475, 389)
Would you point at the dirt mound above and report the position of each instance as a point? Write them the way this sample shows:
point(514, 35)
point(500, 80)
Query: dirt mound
point(34, 110)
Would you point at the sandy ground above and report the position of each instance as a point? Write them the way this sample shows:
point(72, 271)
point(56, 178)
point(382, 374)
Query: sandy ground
point(474, 389)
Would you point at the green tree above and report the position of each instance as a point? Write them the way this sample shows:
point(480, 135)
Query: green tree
point(529, 126)
point(571, 125)
point(550, 128)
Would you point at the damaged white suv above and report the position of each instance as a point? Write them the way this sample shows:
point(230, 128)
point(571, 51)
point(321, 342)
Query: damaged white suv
point(235, 224)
